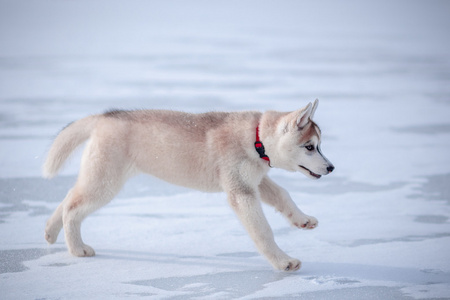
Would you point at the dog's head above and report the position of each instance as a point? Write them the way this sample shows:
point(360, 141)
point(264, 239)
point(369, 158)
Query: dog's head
point(297, 144)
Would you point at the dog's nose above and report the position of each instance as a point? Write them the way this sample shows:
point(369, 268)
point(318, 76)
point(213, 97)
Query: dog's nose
point(330, 168)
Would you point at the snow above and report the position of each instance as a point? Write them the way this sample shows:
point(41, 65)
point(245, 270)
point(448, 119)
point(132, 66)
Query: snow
point(381, 70)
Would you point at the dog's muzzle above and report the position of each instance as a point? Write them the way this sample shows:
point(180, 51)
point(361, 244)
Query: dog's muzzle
point(330, 169)
point(311, 172)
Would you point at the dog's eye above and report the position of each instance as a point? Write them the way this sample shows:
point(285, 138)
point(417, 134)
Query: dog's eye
point(309, 147)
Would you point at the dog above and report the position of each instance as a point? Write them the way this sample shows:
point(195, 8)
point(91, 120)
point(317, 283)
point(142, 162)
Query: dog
point(212, 152)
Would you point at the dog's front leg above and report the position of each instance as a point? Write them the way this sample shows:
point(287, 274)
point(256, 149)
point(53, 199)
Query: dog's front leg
point(276, 196)
point(248, 208)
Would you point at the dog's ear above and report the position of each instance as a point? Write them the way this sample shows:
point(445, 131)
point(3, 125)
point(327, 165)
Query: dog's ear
point(296, 119)
point(314, 107)
point(303, 116)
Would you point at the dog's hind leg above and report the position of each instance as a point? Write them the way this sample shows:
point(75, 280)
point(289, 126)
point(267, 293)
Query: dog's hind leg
point(276, 196)
point(102, 175)
point(55, 223)
point(248, 208)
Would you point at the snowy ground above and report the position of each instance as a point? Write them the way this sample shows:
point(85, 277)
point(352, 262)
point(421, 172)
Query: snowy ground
point(381, 71)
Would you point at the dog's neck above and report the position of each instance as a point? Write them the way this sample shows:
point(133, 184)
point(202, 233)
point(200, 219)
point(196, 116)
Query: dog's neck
point(259, 147)
point(269, 126)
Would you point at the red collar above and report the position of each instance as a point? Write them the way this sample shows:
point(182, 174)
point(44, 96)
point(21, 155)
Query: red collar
point(260, 148)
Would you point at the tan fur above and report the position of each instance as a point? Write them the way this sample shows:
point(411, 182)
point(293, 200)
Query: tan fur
point(210, 152)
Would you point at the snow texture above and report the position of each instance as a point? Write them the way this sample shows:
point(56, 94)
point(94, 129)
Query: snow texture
point(381, 70)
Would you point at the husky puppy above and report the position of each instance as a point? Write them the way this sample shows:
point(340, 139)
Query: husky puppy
point(212, 152)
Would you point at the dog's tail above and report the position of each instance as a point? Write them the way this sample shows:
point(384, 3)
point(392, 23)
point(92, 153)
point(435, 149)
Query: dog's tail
point(66, 142)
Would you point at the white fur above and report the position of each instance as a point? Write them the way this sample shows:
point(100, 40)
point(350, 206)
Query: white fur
point(209, 152)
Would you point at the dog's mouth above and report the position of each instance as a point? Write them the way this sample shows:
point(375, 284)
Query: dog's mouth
point(311, 172)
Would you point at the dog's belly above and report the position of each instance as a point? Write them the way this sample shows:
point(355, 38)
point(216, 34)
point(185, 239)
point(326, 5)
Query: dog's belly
point(194, 178)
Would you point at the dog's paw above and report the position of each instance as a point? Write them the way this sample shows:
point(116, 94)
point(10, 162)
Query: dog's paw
point(306, 222)
point(286, 263)
point(82, 251)
point(293, 265)
point(289, 265)
point(51, 232)
point(50, 237)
